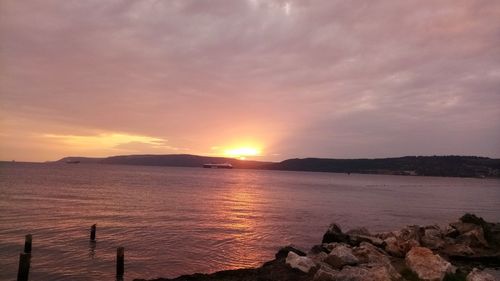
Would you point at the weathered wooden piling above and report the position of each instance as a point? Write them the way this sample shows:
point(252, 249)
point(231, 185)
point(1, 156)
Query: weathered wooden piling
point(27, 243)
point(120, 261)
point(92, 232)
point(24, 267)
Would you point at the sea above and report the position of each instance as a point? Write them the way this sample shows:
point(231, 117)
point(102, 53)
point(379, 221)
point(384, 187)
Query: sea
point(174, 220)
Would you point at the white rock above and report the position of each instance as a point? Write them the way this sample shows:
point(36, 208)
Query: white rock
point(303, 264)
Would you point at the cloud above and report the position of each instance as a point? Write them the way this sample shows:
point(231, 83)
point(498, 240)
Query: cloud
point(326, 78)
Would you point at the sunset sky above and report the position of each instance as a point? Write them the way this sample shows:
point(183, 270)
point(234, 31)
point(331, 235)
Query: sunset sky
point(267, 79)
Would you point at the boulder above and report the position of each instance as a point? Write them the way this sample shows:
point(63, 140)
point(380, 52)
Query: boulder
point(455, 249)
point(318, 253)
point(432, 238)
point(340, 256)
point(398, 247)
point(478, 275)
point(365, 272)
point(400, 242)
point(325, 273)
point(356, 239)
point(358, 231)
point(334, 234)
point(426, 265)
point(411, 232)
point(450, 232)
point(491, 231)
point(329, 246)
point(317, 257)
point(283, 252)
point(494, 235)
point(301, 263)
point(462, 227)
point(474, 238)
point(471, 218)
point(368, 253)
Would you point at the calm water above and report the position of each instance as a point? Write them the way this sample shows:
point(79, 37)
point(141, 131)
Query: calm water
point(175, 221)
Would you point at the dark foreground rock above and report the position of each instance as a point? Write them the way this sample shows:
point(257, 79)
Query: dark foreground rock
point(457, 252)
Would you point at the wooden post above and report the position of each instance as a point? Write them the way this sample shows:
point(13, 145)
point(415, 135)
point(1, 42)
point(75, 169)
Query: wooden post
point(24, 267)
point(27, 244)
point(120, 261)
point(92, 232)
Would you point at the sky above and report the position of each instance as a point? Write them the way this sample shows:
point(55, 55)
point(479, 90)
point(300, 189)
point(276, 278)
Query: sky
point(266, 80)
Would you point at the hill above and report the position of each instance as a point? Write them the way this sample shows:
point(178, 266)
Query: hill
point(443, 166)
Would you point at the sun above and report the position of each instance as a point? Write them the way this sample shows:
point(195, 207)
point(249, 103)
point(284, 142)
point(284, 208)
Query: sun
point(242, 152)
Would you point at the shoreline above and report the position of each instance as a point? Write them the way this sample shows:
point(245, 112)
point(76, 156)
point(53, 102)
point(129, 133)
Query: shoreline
point(460, 251)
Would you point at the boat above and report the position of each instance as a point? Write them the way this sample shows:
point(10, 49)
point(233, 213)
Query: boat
point(218, 166)
point(73, 162)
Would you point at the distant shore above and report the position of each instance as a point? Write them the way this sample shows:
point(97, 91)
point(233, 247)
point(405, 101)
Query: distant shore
point(440, 166)
point(462, 250)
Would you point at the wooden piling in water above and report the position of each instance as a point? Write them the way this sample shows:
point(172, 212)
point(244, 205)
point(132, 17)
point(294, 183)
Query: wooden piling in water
point(92, 232)
point(120, 261)
point(24, 267)
point(27, 243)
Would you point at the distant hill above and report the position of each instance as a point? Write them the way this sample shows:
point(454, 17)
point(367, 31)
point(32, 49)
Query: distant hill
point(444, 166)
point(441, 166)
point(177, 160)
point(73, 159)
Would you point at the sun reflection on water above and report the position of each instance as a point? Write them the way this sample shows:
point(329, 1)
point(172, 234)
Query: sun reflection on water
point(238, 213)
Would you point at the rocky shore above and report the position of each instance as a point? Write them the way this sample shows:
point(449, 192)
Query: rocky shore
point(458, 251)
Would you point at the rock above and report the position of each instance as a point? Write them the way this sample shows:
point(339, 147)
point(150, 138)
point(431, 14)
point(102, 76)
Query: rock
point(358, 231)
point(402, 241)
point(301, 263)
point(325, 273)
point(318, 253)
point(370, 239)
point(450, 232)
point(494, 235)
point(317, 257)
point(358, 235)
point(317, 249)
point(340, 256)
point(392, 247)
point(426, 265)
point(464, 227)
point(456, 249)
point(329, 246)
point(283, 252)
point(471, 218)
point(477, 275)
point(474, 238)
point(398, 247)
point(490, 230)
point(334, 234)
point(366, 272)
point(432, 238)
point(367, 253)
